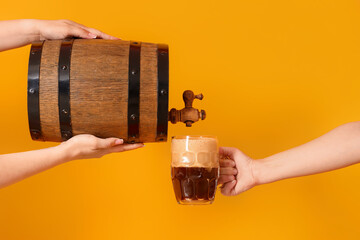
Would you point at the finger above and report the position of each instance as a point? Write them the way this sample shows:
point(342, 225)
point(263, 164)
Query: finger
point(226, 178)
point(228, 171)
point(101, 35)
point(227, 152)
point(108, 142)
point(227, 163)
point(97, 33)
point(73, 23)
point(126, 147)
point(228, 188)
point(74, 31)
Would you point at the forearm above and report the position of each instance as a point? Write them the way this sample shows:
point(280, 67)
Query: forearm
point(18, 33)
point(337, 149)
point(18, 166)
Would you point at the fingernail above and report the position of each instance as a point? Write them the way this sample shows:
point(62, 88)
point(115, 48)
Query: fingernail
point(119, 141)
point(91, 35)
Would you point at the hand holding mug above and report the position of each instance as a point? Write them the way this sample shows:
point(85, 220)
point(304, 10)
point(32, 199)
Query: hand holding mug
point(236, 171)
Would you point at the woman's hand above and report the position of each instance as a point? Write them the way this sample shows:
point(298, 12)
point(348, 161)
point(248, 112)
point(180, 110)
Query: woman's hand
point(60, 29)
point(88, 146)
point(17, 166)
point(236, 173)
point(336, 149)
point(18, 33)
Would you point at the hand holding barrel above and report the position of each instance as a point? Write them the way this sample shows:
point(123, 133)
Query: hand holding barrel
point(60, 29)
point(15, 167)
point(87, 146)
point(18, 33)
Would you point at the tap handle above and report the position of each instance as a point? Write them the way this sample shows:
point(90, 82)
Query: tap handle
point(189, 96)
point(199, 96)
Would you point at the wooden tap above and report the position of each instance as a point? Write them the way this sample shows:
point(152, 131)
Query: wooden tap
point(187, 115)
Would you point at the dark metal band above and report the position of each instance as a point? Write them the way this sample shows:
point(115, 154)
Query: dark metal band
point(163, 92)
point(33, 91)
point(134, 92)
point(64, 89)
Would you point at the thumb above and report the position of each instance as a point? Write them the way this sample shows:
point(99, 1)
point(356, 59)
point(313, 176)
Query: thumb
point(109, 142)
point(227, 152)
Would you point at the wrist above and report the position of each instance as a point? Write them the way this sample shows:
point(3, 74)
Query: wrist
point(65, 152)
point(31, 30)
point(263, 170)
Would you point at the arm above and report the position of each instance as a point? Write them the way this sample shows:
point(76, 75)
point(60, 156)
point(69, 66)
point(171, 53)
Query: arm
point(18, 33)
point(336, 149)
point(15, 167)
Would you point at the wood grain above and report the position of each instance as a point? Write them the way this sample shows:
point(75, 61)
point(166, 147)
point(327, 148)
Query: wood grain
point(148, 92)
point(48, 92)
point(99, 87)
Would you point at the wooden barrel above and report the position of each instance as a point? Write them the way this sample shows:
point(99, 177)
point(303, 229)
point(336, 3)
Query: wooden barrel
point(108, 88)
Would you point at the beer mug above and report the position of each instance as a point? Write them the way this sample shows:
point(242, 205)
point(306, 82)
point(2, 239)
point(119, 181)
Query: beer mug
point(194, 169)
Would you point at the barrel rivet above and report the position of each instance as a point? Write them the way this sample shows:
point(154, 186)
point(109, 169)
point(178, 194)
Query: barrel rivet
point(66, 134)
point(133, 116)
point(31, 90)
point(35, 134)
point(163, 92)
point(133, 72)
point(64, 111)
point(64, 67)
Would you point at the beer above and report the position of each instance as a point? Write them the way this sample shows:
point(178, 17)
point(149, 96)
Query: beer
point(194, 183)
point(194, 169)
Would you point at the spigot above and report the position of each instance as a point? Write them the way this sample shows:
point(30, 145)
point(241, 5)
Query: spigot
point(187, 115)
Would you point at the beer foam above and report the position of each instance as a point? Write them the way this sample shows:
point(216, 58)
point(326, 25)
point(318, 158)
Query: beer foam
point(195, 152)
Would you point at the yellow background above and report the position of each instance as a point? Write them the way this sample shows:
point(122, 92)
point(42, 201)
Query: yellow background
point(274, 74)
